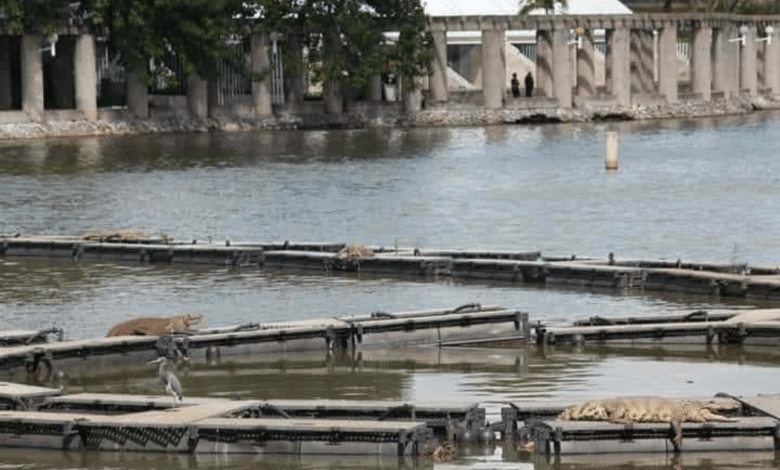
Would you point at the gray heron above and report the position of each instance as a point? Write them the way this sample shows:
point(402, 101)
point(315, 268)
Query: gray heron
point(166, 375)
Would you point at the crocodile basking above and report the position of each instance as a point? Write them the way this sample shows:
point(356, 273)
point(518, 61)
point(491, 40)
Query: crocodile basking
point(627, 410)
point(156, 326)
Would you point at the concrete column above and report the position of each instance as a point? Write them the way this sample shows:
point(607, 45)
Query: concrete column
point(619, 65)
point(667, 62)
point(137, 97)
point(586, 75)
point(413, 99)
point(6, 99)
point(772, 61)
point(642, 62)
point(32, 77)
point(544, 63)
point(198, 97)
point(726, 70)
point(493, 68)
point(748, 74)
point(438, 79)
point(375, 88)
point(701, 65)
point(86, 76)
point(260, 64)
point(562, 66)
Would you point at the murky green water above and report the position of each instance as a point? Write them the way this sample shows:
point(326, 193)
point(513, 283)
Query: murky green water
point(701, 190)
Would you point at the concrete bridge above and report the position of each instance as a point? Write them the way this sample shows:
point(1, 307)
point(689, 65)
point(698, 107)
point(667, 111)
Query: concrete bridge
point(732, 56)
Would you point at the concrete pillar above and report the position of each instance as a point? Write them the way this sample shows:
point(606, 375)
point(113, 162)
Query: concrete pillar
point(701, 65)
point(562, 66)
point(294, 68)
point(438, 79)
point(86, 76)
point(619, 65)
point(198, 97)
point(493, 68)
point(667, 62)
point(137, 97)
point(6, 98)
point(544, 63)
point(772, 61)
point(32, 77)
point(748, 75)
point(726, 70)
point(375, 88)
point(260, 64)
point(586, 75)
point(641, 53)
point(413, 99)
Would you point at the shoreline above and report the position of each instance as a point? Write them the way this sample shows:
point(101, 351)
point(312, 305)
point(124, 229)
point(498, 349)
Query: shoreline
point(537, 111)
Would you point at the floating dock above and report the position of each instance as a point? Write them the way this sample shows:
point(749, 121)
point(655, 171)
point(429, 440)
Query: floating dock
point(760, 326)
point(509, 266)
point(466, 324)
point(756, 427)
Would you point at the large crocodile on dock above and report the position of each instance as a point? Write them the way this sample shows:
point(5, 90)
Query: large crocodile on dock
point(156, 326)
point(629, 410)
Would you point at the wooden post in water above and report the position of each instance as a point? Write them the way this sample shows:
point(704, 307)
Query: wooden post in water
point(612, 151)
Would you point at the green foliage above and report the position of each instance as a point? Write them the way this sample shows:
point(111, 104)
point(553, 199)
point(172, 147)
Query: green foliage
point(27, 15)
point(345, 39)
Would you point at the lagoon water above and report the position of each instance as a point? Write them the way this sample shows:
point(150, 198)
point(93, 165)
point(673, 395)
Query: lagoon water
point(705, 190)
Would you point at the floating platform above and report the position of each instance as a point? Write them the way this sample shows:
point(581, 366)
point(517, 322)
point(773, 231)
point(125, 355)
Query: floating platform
point(760, 326)
point(202, 425)
point(466, 324)
point(509, 266)
point(755, 428)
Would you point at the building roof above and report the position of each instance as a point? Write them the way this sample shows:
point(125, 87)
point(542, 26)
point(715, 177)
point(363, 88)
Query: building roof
point(512, 7)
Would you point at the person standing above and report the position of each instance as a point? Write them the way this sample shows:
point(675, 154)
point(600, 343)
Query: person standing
point(529, 84)
point(515, 86)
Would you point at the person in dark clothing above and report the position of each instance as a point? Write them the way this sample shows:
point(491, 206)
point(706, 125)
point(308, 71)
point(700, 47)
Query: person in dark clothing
point(515, 86)
point(529, 84)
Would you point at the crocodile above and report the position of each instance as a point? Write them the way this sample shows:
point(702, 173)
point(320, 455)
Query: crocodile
point(156, 326)
point(628, 410)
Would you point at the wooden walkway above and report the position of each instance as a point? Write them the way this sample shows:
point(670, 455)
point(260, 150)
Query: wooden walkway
point(511, 266)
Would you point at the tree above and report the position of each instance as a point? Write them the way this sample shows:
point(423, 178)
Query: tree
point(346, 39)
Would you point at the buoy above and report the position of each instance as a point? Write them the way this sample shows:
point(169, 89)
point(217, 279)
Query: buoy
point(612, 151)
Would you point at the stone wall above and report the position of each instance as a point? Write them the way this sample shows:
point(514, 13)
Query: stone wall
point(361, 115)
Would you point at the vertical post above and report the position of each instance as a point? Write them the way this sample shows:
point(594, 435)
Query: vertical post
point(725, 78)
point(32, 77)
point(772, 60)
point(86, 76)
point(6, 101)
point(375, 88)
point(667, 62)
point(586, 81)
point(197, 97)
point(562, 66)
point(261, 75)
point(438, 79)
point(137, 97)
point(618, 46)
point(701, 65)
point(544, 63)
point(749, 77)
point(612, 162)
point(641, 53)
point(493, 67)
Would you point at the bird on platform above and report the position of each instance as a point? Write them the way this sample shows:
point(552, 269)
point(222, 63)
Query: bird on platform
point(172, 384)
